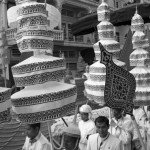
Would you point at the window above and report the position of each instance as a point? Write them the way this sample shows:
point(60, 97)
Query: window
point(70, 35)
point(96, 36)
point(117, 36)
point(64, 30)
point(67, 12)
point(15, 52)
point(72, 54)
point(69, 54)
point(79, 38)
point(71, 66)
point(117, 5)
point(67, 31)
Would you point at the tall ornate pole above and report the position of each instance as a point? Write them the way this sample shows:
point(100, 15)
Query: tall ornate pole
point(3, 45)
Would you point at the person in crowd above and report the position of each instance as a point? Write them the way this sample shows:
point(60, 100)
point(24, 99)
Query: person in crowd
point(86, 74)
point(145, 125)
point(71, 136)
point(103, 140)
point(86, 125)
point(148, 127)
point(123, 128)
point(139, 114)
point(35, 140)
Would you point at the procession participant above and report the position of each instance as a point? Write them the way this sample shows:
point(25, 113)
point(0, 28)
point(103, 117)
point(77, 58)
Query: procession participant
point(146, 127)
point(139, 114)
point(35, 140)
point(123, 128)
point(103, 140)
point(140, 117)
point(86, 125)
point(86, 74)
point(71, 137)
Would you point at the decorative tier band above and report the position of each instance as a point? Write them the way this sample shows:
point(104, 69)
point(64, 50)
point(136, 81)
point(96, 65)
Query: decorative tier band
point(5, 95)
point(5, 116)
point(44, 98)
point(45, 101)
point(34, 45)
point(94, 87)
point(34, 34)
point(47, 115)
point(32, 22)
point(97, 99)
point(38, 66)
point(23, 1)
point(39, 78)
point(5, 104)
point(32, 9)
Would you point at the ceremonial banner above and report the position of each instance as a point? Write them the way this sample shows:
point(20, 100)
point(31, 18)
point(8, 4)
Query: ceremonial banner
point(120, 85)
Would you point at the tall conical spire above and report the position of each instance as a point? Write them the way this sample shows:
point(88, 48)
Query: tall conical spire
point(137, 23)
point(141, 59)
point(95, 85)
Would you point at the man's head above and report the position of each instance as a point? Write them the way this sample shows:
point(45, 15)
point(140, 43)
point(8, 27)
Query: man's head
point(117, 113)
point(85, 112)
point(71, 142)
point(102, 126)
point(32, 130)
point(71, 137)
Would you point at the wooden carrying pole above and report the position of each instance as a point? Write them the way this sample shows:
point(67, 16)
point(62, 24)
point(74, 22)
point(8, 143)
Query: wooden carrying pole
point(138, 132)
point(75, 115)
point(5, 81)
point(50, 133)
point(110, 117)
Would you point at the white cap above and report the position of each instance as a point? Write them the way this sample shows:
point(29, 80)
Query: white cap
point(85, 109)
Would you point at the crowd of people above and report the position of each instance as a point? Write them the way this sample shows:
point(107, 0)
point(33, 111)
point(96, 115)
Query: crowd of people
point(117, 133)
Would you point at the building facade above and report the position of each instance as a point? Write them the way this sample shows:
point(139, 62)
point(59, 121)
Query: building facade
point(72, 47)
point(64, 41)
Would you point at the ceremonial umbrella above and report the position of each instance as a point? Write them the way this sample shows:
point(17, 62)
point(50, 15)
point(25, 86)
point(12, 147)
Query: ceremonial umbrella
point(118, 17)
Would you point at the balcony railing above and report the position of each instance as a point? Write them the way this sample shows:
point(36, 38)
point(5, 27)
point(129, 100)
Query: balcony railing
point(11, 34)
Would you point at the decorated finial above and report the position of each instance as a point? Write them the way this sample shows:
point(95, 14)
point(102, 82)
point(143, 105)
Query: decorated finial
point(137, 23)
point(136, 12)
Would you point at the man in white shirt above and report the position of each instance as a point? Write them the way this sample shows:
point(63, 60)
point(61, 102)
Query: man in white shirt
point(103, 140)
point(86, 125)
point(123, 128)
point(35, 140)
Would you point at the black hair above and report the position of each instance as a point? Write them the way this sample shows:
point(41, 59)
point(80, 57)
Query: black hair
point(102, 119)
point(35, 125)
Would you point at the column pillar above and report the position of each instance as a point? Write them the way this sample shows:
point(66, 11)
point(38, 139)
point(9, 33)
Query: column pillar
point(59, 7)
point(3, 14)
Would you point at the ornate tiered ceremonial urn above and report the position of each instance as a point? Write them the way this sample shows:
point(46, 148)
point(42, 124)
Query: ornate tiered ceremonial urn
point(43, 98)
point(141, 59)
